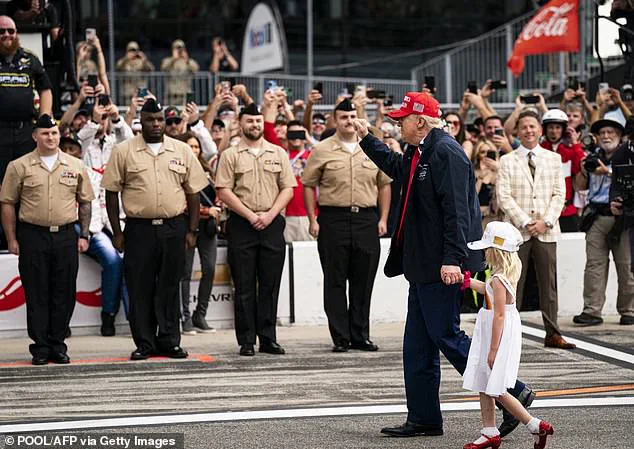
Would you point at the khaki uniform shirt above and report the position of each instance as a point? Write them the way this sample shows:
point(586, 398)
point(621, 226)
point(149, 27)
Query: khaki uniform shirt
point(153, 186)
point(344, 179)
point(256, 180)
point(47, 198)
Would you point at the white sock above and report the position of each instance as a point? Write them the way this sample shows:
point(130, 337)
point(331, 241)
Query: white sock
point(487, 432)
point(533, 425)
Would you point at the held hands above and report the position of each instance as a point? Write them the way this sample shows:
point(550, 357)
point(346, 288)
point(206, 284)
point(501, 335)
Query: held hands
point(361, 127)
point(451, 274)
point(536, 227)
point(261, 220)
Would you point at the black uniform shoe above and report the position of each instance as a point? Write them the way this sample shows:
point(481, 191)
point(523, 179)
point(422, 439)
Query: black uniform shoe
point(626, 320)
point(59, 357)
point(247, 350)
point(175, 353)
point(39, 360)
point(366, 345)
point(140, 354)
point(272, 348)
point(341, 346)
point(410, 429)
point(510, 422)
point(585, 319)
point(107, 325)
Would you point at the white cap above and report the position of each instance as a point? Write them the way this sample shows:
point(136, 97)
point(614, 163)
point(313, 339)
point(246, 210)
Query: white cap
point(500, 235)
point(136, 125)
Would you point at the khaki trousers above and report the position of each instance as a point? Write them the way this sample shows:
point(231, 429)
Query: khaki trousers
point(595, 277)
point(545, 258)
point(297, 229)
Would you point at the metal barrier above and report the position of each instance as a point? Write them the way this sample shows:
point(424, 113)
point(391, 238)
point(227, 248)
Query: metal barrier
point(201, 84)
point(485, 57)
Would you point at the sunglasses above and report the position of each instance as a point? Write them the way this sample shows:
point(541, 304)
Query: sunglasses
point(173, 121)
point(9, 31)
point(319, 122)
point(453, 122)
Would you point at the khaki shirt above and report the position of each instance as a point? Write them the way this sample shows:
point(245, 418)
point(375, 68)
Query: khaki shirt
point(47, 198)
point(256, 180)
point(344, 179)
point(153, 186)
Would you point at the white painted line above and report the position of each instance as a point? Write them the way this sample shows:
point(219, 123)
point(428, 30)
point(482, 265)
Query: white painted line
point(139, 421)
point(596, 349)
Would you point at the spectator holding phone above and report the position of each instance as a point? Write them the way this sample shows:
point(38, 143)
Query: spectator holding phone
point(610, 105)
point(477, 99)
point(576, 93)
point(221, 59)
point(133, 64)
point(315, 122)
point(180, 67)
point(86, 66)
point(76, 116)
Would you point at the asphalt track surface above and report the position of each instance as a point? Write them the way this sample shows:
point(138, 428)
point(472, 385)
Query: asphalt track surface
point(310, 397)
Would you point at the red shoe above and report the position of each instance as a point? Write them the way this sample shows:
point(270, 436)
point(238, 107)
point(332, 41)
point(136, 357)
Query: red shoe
point(541, 438)
point(492, 442)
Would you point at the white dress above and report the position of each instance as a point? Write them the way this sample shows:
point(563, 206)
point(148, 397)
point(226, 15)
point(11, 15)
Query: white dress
point(478, 376)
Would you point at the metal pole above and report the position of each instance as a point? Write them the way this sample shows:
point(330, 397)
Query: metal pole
point(583, 36)
point(562, 70)
point(309, 44)
point(111, 60)
point(448, 79)
point(509, 75)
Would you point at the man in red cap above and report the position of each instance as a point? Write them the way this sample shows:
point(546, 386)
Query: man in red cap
point(439, 214)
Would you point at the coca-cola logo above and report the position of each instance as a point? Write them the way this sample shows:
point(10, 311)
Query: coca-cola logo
point(12, 296)
point(550, 21)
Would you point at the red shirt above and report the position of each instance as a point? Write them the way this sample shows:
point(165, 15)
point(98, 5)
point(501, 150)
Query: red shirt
point(295, 207)
point(571, 156)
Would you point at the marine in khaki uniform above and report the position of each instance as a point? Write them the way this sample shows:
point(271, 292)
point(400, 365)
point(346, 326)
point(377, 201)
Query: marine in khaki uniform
point(348, 228)
point(255, 181)
point(158, 177)
point(48, 184)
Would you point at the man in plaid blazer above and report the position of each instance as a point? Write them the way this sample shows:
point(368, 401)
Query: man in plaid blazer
point(531, 192)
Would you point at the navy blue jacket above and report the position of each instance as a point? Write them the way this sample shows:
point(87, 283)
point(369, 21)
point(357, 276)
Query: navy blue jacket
point(443, 212)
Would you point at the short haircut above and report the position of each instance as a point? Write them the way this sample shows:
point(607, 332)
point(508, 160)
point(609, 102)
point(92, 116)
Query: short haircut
point(493, 117)
point(528, 113)
point(574, 106)
point(294, 123)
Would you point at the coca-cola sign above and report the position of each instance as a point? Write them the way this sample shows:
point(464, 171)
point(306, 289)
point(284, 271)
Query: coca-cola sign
point(553, 29)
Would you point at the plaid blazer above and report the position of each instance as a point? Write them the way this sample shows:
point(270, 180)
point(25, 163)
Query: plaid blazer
point(523, 198)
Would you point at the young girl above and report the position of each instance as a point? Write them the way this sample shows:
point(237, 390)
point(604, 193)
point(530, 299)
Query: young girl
point(494, 356)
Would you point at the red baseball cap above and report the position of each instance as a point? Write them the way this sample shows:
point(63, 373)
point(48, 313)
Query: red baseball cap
point(418, 103)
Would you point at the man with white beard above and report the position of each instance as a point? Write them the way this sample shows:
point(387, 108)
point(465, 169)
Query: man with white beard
point(606, 233)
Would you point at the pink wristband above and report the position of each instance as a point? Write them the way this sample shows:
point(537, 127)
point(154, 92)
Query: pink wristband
point(466, 283)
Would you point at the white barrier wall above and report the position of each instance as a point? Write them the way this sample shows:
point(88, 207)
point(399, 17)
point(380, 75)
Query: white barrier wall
point(389, 301)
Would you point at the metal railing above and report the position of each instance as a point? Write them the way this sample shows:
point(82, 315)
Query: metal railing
point(173, 89)
point(485, 58)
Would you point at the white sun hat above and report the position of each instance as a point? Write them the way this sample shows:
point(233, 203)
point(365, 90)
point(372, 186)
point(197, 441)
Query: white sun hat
point(500, 235)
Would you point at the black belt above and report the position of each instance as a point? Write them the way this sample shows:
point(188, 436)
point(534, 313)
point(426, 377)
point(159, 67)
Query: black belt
point(153, 221)
point(49, 229)
point(602, 209)
point(15, 125)
point(348, 209)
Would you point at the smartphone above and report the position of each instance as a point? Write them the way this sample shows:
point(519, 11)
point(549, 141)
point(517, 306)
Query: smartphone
point(388, 102)
point(319, 87)
point(371, 93)
point(492, 155)
point(430, 83)
point(93, 80)
point(350, 88)
point(499, 84)
point(472, 87)
point(104, 100)
point(529, 99)
point(573, 83)
point(190, 98)
point(603, 87)
point(141, 92)
point(271, 85)
point(499, 132)
point(91, 33)
point(360, 90)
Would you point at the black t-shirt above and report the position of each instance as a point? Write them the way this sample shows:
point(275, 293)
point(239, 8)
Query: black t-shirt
point(18, 78)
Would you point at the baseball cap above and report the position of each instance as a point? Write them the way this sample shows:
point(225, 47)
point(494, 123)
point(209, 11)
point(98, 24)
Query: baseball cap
point(178, 43)
point(83, 112)
point(172, 112)
point(418, 103)
point(500, 235)
point(132, 46)
point(626, 88)
point(136, 125)
point(218, 122)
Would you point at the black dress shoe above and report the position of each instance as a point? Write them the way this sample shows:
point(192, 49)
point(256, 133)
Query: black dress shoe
point(585, 319)
point(626, 320)
point(510, 422)
point(39, 360)
point(341, 346)
point(59, 357)
point(175, 353)
point(247, 350)
point(366, 345)
point(140, 354)
point(107, 324)
point(410, 429)
point(272, 348)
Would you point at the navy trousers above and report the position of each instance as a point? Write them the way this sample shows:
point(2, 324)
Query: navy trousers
point(433, 326)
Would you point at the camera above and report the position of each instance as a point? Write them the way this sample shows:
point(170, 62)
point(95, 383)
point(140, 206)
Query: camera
point(591, 162)
point(499, 84)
